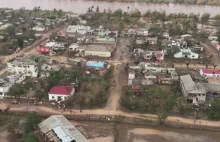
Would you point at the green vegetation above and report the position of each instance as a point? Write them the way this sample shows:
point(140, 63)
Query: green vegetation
point(92, 92)
point(29, 138)
point(214, 111)
point(23, 131)
point(153, 100)
point(31, 122)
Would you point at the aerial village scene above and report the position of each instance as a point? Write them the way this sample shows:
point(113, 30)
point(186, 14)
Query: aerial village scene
point(109, 75)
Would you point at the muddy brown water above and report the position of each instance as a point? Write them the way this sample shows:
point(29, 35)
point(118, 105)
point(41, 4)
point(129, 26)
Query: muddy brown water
point(138, 133)
point(81, 6)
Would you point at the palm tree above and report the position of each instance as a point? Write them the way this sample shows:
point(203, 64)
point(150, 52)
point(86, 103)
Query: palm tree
point(60, 13)
point(54, 10)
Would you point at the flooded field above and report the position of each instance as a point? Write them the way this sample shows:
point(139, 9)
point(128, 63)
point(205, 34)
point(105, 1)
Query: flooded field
point(110, 132)
point(136, 133)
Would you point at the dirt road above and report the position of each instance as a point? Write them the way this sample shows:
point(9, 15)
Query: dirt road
point(211, 50)
point(119, 76)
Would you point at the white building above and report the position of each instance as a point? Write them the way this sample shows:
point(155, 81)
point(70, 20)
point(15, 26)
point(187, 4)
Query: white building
point(39, 28)
point(195, 93)
point(95, 50)
point(73, 46)
point(156, 67)
point(78, 29)
point(186, 53)
point(209, 72)
point(60, 93)
point(8, 81)
point(26, 67)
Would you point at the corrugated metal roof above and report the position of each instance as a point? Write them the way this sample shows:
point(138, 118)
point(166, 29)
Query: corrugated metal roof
point(63, 129)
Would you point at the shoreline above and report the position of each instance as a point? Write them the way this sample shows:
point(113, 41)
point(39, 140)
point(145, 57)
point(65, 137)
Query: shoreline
point(162, 3)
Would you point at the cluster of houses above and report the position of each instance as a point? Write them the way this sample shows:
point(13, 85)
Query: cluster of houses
point(89, 42)
point(200, 92)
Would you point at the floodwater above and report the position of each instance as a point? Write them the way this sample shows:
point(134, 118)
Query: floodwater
point(138, 133)
point(81, 6)
point(104, 131)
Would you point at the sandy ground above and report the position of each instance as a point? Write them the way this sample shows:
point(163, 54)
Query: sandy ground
point(102, 139)
point(3, 136)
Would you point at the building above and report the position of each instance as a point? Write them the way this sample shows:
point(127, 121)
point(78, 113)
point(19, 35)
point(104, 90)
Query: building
point(60, 93)
point(57, 128)
point(5, 26)
point(152, 40)
point(186, 53)
point(216, 44)
point(156, 67)
point(39, 28)
point(95, 50)
point(195, 93)
point(149, 55)
point(213, 80)
point(73, 46)
point(7, 80)
point(44, 50)
point(79, 29)
point(95, 64)
point(209, 72)
point(24, 66)
point(105, 39)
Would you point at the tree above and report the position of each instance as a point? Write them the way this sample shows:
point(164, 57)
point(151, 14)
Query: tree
point(214, 111)
point(205, 18)
point(97, 9)
point(16, 91)
point(20, 42)
point(135, 13)
point(60, 13)
point(29, 138)
point(118, 13)
point(11, 31)
point(31, 122)
point(162, 116)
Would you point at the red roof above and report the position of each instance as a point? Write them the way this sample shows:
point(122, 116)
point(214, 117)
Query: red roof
point(159, 55)
point(210, 71)
point(44, 49)
point(61, 90)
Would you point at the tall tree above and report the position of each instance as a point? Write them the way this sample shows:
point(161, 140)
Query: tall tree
point(205, 18)
point(31, 122)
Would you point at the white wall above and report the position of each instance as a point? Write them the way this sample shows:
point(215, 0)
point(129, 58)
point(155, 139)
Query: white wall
point(28, 70)
point(98, 53)
point(63, 97)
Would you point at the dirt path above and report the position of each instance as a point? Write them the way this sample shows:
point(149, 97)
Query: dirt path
point(119, 76)
point(170, 119)
point(211, 50)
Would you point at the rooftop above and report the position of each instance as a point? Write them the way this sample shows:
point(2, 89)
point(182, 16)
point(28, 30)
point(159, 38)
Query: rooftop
point(102, 48)
point(63, 129)
point(210, 71)
point(95, 64)
point(61, 90)
point(189, 84)
point(29, 60)
point(214, 80)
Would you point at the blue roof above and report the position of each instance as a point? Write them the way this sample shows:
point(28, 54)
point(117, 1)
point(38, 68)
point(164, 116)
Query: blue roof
point(95, 64)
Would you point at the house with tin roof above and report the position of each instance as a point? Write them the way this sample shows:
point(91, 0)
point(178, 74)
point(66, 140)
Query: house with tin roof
point(60, 93)
point(57, 128)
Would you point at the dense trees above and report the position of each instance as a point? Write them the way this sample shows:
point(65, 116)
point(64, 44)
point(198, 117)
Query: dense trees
point(22, 131)
point(205, 18)
point(214, 111)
